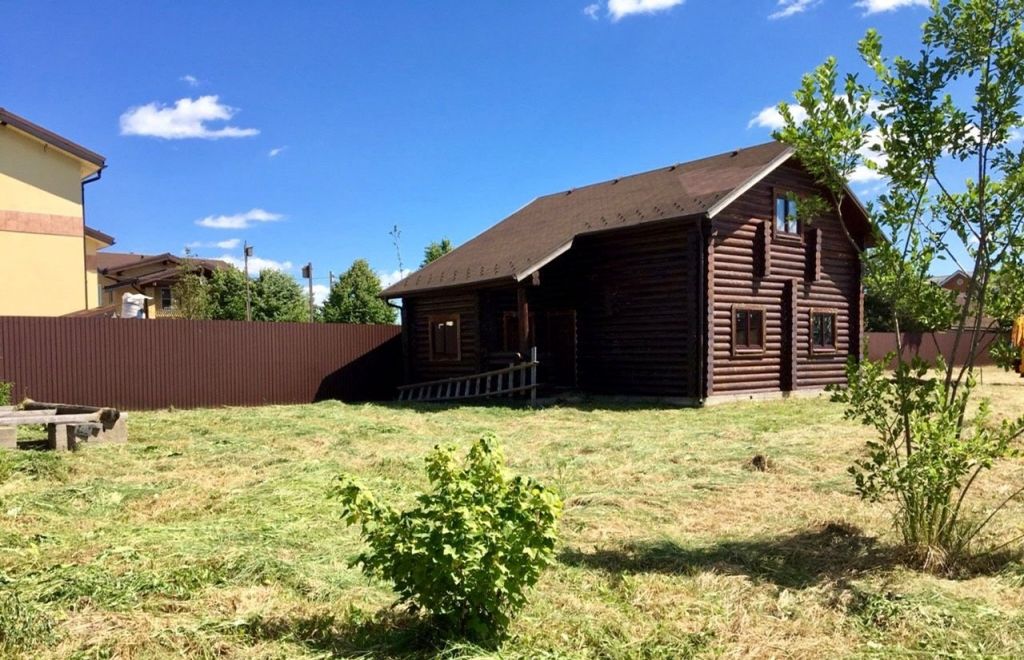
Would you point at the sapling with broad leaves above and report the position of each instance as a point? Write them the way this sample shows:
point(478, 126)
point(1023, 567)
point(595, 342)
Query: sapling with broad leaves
point(469, 550)
point(955, 105)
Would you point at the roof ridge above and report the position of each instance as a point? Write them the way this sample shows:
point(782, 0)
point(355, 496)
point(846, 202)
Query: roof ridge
point(676, 165)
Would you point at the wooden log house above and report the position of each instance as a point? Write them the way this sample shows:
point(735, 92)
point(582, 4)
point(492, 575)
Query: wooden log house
point(694, 281)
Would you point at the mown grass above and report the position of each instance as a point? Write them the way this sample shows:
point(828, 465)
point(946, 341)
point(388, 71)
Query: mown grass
point(211, 534)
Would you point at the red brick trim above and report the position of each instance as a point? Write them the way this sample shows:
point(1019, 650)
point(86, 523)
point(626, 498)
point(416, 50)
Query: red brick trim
point(41, 223)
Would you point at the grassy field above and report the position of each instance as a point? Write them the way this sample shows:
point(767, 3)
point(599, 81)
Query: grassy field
point(211, 534)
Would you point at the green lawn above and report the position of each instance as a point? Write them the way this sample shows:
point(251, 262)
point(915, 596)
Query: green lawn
point(210, 534)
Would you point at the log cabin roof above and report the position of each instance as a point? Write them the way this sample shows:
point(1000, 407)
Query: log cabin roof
point(545, 228)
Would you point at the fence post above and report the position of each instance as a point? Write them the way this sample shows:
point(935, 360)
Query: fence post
point(533, 376)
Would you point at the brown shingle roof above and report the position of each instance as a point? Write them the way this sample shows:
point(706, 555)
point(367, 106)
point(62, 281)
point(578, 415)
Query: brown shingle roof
point(49, 137)
point(115, 264)
point(545, 228)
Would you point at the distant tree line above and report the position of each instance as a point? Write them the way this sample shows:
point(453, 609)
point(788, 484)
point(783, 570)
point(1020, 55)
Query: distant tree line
point(277, 296)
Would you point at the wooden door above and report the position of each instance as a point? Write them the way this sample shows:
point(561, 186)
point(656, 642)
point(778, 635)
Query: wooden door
point(558, 349)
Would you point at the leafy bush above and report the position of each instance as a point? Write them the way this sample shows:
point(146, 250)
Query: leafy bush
point(470, 549)
point(927, 455)
point(5, 392)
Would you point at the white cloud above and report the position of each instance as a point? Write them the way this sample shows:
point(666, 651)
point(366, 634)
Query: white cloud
point(771, 118)
point(387, 279)
point(276, 151)
point(787, 8)
point(862, 173)
point(187, 118)
point(190, 80)
point(619, 9)
point(256, 264)
point(229, 244)
point(591, 11)
point(238, 220)
point(878, 6)
point(320, 293)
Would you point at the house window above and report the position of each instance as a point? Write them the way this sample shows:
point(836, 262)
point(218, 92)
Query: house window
point(747, 330)
point(444, 338)
point(166, 302)
point(823, 331)
point(785, 214)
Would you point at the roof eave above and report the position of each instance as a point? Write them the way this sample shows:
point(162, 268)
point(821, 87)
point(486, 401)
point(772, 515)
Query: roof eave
point(8, 118)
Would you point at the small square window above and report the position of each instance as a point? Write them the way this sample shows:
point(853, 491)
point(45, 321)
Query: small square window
point(786, 214)
point(823, 331)
point(748, 330)
point(444, 338)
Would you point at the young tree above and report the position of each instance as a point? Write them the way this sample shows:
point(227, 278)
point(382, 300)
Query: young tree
point(226, 293)
point(355, 298)
point(189, 293)
point(436, 250)
point(909, 124)
point(276, 296)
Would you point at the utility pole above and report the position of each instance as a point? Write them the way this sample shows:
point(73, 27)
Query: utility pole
point(330, 278)
point(248, 292)
point(307, 272)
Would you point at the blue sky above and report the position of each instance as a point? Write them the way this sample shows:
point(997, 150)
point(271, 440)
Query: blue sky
point(311, 128)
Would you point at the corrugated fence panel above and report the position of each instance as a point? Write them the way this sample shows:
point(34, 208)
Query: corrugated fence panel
point(929, 345)
point(187, 364)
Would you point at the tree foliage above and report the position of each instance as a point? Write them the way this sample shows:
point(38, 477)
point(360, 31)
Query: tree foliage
point(436, 250)
point(908, 124)
point(226, 289)
point(470, 549)
point(355, 298)
point(276, 296)
point(189, 292)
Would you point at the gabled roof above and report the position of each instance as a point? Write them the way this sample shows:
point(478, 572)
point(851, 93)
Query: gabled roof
point(943, 280)
point(49, 137)
point(115, 262)
point(162, 268)
point(544, 229)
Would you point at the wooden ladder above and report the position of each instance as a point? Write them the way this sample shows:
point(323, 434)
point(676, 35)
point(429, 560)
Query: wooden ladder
point(509, 381)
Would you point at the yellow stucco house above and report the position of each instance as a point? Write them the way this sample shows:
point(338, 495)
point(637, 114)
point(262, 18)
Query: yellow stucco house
point(47, 254)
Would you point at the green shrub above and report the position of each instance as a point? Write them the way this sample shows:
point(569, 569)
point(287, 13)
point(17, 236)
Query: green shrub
point(5, 392)
point(928, 454)
point(470, 549)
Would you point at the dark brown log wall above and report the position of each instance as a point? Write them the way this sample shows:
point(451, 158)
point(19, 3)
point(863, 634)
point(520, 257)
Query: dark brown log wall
point(417, 312)
point(145, 364)
point(820, 267)
point(635, 295)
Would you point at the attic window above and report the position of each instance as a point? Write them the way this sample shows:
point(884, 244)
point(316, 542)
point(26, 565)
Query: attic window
point(444, 338)
point(786, 214)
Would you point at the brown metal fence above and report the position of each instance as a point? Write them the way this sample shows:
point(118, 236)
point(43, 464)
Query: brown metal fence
point(146, 364)
point(929, 345)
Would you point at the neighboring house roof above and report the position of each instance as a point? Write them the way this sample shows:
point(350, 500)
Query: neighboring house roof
point(544, 229)
point(157, 269)
point(49, 137)
point(943, 280)
point(99, 236)
point(106, 311)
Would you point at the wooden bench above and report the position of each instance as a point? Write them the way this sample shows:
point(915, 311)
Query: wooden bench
point(66, 425)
